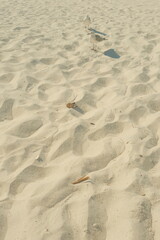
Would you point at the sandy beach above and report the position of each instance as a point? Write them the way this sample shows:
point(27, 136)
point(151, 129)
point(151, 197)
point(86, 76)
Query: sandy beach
point(89, 170)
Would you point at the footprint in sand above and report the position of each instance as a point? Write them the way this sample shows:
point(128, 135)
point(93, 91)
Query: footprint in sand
point(154, 105)
point(110, 128)
point(6, 78)
point(97, 219)
point(28, 128)
point(6, 110)
point(28, 176)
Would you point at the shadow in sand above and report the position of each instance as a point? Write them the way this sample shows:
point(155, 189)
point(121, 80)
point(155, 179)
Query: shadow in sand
point(111, 53)
point(79, 110)
point(95, 31)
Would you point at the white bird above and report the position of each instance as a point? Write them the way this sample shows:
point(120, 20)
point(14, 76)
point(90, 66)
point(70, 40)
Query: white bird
point(95, 38)
point(87, 22)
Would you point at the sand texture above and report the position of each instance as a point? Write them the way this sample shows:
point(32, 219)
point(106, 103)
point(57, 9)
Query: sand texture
point(89, 170)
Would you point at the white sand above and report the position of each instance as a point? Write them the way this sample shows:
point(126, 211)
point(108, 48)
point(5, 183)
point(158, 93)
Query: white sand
point(46, 61)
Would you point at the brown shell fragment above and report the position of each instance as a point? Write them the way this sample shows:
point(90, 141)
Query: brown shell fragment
point(71, 105)
point(82, 179)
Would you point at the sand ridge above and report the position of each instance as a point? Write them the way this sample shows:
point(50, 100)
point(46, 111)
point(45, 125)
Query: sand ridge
point(111, 136)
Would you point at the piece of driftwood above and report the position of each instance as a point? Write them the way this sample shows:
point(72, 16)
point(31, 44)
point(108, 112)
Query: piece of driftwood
point(82, 179)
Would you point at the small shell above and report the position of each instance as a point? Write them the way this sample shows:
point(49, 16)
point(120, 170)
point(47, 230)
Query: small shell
point(82, 179)
point(71, 105)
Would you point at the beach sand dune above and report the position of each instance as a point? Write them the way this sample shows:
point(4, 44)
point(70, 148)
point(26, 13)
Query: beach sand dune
point(68, 114)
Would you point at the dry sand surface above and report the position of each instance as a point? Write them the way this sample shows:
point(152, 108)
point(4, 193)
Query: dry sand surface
point(111, 136)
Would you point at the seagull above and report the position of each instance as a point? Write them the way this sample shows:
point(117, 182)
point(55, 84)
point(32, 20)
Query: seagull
point(87, 22)
point(95, 38)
